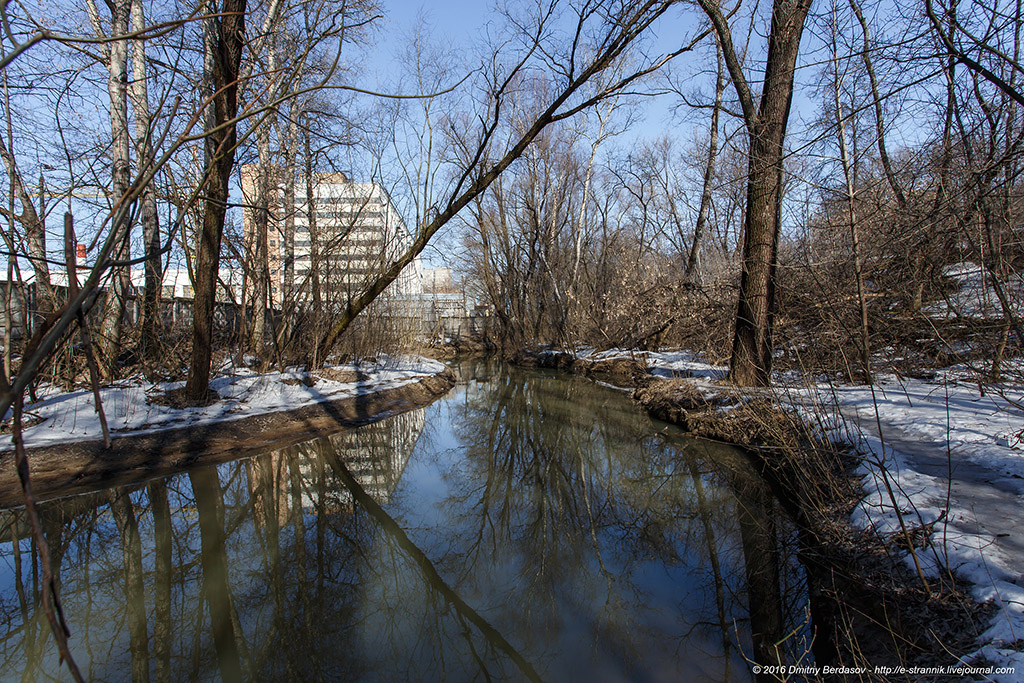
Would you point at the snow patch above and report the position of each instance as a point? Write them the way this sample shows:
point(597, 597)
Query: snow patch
point(666, 364)
point(59, 417)
point(975, 296)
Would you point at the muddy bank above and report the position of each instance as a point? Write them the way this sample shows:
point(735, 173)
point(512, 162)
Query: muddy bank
point(74, 468)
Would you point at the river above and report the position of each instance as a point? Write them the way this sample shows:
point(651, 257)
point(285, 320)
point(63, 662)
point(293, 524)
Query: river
point(527, 525)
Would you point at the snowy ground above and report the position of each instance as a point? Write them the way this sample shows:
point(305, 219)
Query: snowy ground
point(975, 296)
point(60, 417)
point(954, 456)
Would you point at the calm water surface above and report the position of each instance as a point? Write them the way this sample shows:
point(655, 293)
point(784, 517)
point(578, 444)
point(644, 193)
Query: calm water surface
point(527, 525)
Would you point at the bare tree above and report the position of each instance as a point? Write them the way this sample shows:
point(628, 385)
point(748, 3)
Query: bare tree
point(224, 39)
point(613, 31)
point(149, 218)
point(692, 262)
point(115, 56)
point(847, 164)
point(766, 128)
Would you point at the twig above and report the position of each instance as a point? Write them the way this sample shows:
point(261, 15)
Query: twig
point(48, 590)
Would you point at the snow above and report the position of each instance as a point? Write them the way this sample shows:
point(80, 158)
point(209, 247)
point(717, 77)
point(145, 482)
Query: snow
point(72, 417)
point(984, 426)
point(975, 297)
point(666, 363)
point(953, 453)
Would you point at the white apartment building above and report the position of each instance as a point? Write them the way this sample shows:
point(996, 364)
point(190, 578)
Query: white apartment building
point(344, 237)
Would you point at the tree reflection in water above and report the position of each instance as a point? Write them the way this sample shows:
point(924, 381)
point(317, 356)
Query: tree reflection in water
point(527, 526)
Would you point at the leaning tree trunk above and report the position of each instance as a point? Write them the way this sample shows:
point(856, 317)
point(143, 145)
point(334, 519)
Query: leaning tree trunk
point(693, 261)
point(224, 41)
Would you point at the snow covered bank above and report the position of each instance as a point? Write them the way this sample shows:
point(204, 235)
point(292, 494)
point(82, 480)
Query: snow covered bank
point(133, 406)
point(668, 363)
point(662, 364)
point(975, 296)
point(954, 455)
point(210, 435)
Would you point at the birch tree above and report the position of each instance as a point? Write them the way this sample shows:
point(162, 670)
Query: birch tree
point(149, 219)
point(115, 57)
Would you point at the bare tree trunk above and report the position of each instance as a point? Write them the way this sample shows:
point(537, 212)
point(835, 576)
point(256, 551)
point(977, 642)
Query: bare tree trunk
point(260, 270)
point(288, 284)
point(692, 272)
point(225, 37)
point(314, 241)
point(766, 128)
point(116, 54)
point(847, 163)
point(138, 92)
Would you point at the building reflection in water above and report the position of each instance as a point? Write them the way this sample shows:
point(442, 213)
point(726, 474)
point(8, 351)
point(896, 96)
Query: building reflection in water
point(376, 454)
point(525, 526)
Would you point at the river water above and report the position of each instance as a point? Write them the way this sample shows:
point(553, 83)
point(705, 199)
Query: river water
point(528, 525)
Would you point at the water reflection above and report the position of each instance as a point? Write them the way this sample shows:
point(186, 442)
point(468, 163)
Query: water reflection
point(525, 526)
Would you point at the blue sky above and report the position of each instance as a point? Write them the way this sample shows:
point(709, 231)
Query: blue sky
point(459, 24)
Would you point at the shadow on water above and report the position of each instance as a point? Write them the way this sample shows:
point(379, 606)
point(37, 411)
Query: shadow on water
point(527, 526)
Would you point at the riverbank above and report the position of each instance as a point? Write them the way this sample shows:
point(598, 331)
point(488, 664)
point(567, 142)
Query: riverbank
point(255, 412)
point(830, 468)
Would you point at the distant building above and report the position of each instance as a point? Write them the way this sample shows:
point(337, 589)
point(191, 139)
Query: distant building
point(177, 284)
point(438, 281)
point(344, 236)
